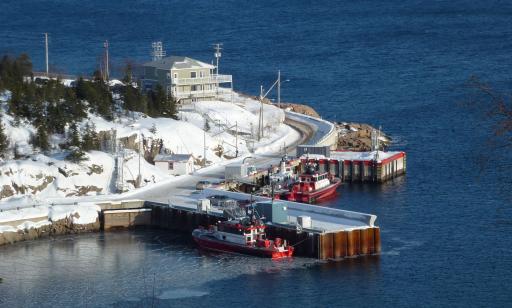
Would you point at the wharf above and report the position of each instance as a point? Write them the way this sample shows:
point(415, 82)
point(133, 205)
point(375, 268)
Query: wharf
point(350, 166)
point(334, 234)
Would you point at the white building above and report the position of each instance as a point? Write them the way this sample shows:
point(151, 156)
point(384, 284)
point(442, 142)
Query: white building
point(175, 164)
point(184, 78)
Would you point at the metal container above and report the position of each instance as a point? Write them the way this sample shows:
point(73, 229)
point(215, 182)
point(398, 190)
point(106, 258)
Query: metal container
point(235, 171)
point(275, 212)
point(313, 149)
point(304, 222)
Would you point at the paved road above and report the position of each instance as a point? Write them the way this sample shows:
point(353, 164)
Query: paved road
point(182, 188)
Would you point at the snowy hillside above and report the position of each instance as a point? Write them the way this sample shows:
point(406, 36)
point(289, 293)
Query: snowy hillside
point(50, 175)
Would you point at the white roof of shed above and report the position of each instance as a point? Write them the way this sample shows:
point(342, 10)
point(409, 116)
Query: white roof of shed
point(173, 157)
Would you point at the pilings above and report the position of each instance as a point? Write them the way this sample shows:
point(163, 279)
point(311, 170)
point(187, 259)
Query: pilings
point(361, 170)
point(333, 245)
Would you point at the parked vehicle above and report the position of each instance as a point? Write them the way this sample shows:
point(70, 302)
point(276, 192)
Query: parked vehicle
point(203, 184)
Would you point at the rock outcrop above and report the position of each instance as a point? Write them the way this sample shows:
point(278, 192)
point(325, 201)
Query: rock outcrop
point(358, 137)
point(59, 227)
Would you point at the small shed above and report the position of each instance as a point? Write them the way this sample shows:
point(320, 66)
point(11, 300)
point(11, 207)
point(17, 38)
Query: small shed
point(175, 164)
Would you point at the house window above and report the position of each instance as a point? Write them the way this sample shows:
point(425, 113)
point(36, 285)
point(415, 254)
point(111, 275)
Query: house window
point(171, 165)
point(193, 74)
point(201, 74)
point(175, 75)
point(194, 88)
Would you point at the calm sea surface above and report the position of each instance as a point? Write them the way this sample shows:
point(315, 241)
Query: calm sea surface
point(446, 227)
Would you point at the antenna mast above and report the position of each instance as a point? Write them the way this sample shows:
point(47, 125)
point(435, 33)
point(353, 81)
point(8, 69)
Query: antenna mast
point(217, 54)
point(158, 51)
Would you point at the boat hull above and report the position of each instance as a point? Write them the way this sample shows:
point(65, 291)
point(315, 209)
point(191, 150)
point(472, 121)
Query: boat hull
point(211, 243)
point(314, 196)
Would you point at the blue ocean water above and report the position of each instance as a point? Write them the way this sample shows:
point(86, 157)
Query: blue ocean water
point(446, 226)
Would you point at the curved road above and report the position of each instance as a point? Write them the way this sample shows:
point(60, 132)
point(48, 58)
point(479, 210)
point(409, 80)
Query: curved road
point(181, 188)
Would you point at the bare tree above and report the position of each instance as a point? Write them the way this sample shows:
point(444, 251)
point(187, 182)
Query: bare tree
point(496, 108)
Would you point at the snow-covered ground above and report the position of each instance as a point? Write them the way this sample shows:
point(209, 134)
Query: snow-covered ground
point(82, 213)
point(232, 120)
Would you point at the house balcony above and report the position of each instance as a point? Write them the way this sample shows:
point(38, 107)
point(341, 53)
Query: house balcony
point(212, 79)
point(194, 94)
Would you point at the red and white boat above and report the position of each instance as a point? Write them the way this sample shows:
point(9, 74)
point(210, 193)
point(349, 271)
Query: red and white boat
point(313, 187)
point(241, 236)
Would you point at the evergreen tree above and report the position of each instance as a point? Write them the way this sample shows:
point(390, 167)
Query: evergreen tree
point(98, 95)
point(40, 140)
point(133, 99)
point(15, 101)
point(161, 105)
point(156, 100)
point(87, 143)
point(76, 155)
point(171, 107)
point(95, 138)
point(128, 73)
point(75, 109)
point(73, 136)
point(90, 140)
point(12, 70)
point(4, 142)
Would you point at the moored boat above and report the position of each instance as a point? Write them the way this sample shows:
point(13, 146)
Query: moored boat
point(241, 236)
point(313, 187)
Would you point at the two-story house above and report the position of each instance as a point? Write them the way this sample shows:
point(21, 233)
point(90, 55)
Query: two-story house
point(184, 78)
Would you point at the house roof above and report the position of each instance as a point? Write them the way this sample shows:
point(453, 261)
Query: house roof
point(173, 157)
point(177, 62)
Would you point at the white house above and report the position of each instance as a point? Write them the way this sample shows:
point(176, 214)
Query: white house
point(175, 164)
point(186, 79)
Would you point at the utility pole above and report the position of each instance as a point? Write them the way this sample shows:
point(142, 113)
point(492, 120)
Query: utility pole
point(279, 88)
point(46, 53)
point(236, 139)
point(260, 119)
point(204, 148)
point(107, 74)
point(139, 178)
point(217, 54)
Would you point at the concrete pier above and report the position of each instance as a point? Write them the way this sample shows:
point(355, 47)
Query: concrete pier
point(359, 166)
point(333, 235)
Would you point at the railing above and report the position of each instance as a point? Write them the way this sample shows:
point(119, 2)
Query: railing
point(212, 79)
point(193, 94)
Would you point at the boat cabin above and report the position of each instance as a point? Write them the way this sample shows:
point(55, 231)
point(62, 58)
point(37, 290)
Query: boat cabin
point(307, 178)
point(238, 233)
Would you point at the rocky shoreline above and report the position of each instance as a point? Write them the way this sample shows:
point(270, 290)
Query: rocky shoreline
point(358, 137)
point(351, 136)
point(60, 227)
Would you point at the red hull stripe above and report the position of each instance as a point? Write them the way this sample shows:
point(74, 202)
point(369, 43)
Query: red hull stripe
point(236, 248)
